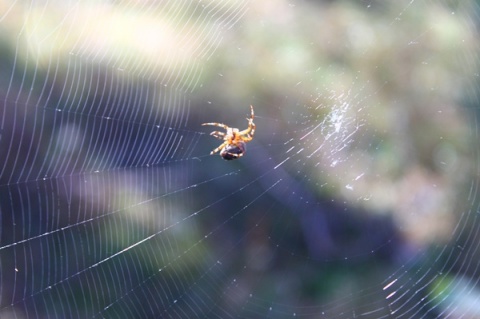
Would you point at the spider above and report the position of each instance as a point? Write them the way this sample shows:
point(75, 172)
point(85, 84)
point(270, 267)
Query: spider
point(234, 145)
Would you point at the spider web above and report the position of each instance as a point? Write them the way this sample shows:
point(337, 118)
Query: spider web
point(356, 198)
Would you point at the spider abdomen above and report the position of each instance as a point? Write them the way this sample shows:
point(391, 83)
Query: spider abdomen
point(233, 151)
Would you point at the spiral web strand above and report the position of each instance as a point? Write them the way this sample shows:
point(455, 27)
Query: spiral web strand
point(112, 207)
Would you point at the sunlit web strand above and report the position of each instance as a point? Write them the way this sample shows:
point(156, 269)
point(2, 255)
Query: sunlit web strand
point(185, 252)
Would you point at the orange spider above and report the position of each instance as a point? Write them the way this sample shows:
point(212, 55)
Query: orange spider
point(234, 145)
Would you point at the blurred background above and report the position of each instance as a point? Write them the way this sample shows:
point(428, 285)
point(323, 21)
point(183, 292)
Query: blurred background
point(357, 197)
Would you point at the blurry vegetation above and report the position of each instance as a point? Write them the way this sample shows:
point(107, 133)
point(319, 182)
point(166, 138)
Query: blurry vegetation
point(393, 76)
point(359, 115)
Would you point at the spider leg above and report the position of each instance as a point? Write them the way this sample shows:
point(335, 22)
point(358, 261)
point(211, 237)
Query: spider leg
point(247, 138)
point(247, 134)
point(218, 124)
point(218, 148)
point(252, 127)
point(219, 135)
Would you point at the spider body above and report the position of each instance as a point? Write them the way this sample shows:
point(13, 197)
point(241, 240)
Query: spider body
point(234, 140)
point(231, 152)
